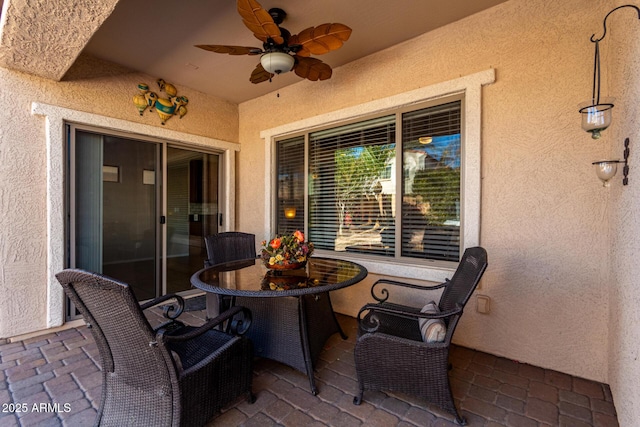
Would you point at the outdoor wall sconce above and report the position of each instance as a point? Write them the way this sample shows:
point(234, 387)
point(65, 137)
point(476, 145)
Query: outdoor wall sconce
point(596, 113)
point(165, 107)
point(606, 169)
point(290, 212)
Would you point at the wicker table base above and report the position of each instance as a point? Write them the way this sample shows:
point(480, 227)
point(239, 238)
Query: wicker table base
point(292, 330)
point(292, 312)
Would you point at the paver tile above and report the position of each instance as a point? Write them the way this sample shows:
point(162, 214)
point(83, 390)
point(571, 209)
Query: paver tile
point(545, 412)
point(588, 388)
point(490, 391)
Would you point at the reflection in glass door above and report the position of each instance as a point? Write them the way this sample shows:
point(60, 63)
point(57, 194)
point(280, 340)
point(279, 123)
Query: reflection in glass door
point(115, 208)
point(192, 213)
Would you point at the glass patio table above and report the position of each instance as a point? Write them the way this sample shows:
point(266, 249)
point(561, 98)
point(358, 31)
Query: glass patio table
point(291, 309)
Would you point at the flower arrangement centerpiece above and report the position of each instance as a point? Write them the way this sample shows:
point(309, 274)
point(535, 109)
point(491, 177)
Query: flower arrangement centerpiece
point(286, 252)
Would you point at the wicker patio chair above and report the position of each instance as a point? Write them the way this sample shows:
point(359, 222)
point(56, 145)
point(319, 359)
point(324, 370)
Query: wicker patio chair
point(224, 247)
point(391, 352)
point(229, 246)
point(170, 375)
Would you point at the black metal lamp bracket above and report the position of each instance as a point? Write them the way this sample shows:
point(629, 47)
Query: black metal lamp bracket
point(596, 63)
point(625, 170)
point(604, 22)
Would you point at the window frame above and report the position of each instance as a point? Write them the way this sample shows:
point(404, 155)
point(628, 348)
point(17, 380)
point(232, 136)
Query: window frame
point(469, 88)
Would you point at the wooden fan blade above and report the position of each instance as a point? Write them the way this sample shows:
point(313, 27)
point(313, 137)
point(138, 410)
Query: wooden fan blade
point(312, 69)
point(231, 50)
point(321, 39)
point(259, 21)
point(260, 75)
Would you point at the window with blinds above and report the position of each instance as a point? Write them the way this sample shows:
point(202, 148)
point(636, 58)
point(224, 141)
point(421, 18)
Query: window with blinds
point(354, 177)
point(290, 185)
point(431, 183)
point(348, 209)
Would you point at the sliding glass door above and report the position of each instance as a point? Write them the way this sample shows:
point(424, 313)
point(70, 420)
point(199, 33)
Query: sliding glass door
point(192, 212)
point(139, 210)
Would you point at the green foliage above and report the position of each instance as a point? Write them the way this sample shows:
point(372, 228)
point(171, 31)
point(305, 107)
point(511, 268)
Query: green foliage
point(440, 188)
point(357, 170)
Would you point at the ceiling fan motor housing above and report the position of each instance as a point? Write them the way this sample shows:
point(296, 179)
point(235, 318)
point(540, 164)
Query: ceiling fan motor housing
point(278, 15)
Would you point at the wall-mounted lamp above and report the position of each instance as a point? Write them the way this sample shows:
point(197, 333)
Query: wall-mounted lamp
point(290, 212)
point(606, 169)
point(596, 113)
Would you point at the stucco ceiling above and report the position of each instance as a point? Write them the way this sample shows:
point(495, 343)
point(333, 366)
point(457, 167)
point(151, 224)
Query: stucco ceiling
point(158, 37)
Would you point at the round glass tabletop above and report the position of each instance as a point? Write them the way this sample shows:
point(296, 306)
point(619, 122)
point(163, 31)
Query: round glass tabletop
point(252, 278)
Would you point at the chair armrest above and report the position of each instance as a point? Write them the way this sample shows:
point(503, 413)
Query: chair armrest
point(400, 311)
point(238, 325)
point(169, 311)
point(385, 293)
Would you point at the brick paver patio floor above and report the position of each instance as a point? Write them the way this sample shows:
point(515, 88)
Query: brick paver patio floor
point(60, 374)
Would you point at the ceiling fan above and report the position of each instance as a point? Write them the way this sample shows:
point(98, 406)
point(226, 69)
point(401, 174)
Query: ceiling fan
point(282, 52)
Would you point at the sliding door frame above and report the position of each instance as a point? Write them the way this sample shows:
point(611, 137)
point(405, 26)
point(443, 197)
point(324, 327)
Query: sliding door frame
point(55, 120)
point(161, 199)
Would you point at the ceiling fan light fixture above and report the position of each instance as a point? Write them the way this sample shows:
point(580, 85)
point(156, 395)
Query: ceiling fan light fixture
point(277, 62)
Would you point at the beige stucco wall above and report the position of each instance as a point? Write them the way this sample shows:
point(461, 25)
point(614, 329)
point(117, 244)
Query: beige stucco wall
point(544, 214)
point(90, 86)
point(561, 248)
point(623, 42)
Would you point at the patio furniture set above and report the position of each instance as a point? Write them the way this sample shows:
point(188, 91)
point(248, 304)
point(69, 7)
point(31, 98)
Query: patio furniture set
point(176, 374)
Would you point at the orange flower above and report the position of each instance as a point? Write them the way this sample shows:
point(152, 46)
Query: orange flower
point(275, 243)
point(299, 235)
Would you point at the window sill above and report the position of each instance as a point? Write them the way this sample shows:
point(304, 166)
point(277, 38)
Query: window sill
point(432, 271)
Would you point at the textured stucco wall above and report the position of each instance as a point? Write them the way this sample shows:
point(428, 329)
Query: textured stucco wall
point(544, 214)
point(561, 248)
point(45, 37)
point(90, 86)
point(623, 45)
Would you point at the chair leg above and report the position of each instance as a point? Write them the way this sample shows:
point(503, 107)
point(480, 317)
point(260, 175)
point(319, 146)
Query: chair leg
point(251, 398)
point(357, 400)
point(461, 421)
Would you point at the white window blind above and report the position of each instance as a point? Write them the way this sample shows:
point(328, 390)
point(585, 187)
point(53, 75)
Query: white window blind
point(345, 204)
point(290, 185)
point(431, 184)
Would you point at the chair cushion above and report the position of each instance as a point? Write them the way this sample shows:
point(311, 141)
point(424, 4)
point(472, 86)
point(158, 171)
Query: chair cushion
point(432, 330)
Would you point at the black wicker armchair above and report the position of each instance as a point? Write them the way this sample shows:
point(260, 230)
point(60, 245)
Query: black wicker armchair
point(229, 246)
point(392, 352)
point(224, 247)
point(170, 375)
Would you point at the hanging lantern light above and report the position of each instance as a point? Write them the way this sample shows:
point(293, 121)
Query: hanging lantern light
point(596, 113)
